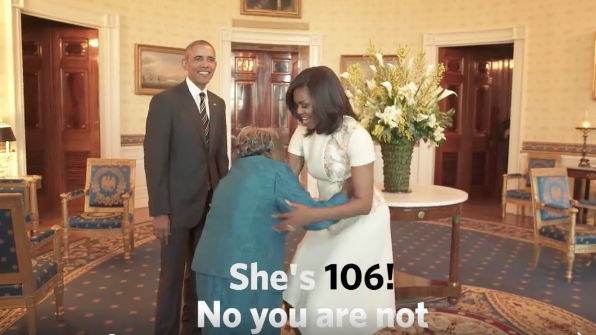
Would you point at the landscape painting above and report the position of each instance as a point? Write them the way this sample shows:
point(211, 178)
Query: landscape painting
point(157, 68)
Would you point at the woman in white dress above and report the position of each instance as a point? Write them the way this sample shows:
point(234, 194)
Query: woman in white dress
point(334, 146)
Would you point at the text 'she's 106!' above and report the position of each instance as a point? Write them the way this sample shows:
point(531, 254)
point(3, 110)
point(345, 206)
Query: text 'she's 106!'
point(350, 277)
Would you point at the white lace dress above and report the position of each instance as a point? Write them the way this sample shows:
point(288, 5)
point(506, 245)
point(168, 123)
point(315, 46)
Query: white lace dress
point(364, 240)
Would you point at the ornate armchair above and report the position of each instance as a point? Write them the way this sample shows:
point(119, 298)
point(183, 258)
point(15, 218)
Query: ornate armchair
point(27, 187)
point(555, 215)
point(25, 280)
point(520, 195)
point(109, 204)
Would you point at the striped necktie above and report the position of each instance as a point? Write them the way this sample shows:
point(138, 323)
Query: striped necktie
point(204, 117)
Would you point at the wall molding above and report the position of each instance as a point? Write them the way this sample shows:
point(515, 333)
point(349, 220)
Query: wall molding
point(108, 26)
point(132, 140)
point(564, 148)
point(517, 35)
point(141, 194)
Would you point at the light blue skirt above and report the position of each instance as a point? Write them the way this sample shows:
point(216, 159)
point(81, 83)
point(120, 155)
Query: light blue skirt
point(211, 289)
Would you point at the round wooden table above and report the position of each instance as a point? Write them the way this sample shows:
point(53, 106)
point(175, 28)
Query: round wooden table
point(427, 203)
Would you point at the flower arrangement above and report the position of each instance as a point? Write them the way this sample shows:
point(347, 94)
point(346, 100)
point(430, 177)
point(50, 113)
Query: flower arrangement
point(400, 102)
point(399, 106)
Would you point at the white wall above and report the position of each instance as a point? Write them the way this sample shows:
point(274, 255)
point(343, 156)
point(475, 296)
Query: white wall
point(136, 152)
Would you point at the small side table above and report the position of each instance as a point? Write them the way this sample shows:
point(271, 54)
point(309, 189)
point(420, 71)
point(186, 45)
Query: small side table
point(426, 203)
point(582, 177)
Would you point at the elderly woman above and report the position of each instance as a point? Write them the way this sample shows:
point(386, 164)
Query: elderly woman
point(240, 230)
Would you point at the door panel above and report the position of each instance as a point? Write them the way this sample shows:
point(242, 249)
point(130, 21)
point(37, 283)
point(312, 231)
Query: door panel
point(75, 60)
point(261, 80)
point(481, 166)
point(61, 106)
point(37, 79)
point(448, 157)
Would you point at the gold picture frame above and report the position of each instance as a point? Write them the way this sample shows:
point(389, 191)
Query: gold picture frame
point(272, 8)
point(348, 60)
point(157, 68)
point(594, 71)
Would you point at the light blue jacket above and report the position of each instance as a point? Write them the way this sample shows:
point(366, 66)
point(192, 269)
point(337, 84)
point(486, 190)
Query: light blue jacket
point(239, 228)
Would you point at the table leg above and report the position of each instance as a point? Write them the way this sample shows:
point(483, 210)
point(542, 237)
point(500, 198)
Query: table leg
point(454, 261)
point(586, 190)
point(578, 194)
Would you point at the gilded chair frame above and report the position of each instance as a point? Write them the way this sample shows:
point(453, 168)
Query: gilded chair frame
point(522, 183)
point(126, 231)
point(31, 206)
point(569, 247)
point(31, 297)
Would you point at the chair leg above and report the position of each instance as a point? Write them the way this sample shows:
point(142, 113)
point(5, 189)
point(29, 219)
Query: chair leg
point(503, 208)
point(31, 318)
point(523, 216)
point(66, 246)
point(132, 239)
point(87, 246)
point(569, 272)
point(59, 296)
point(126, 244)
point(536, 255)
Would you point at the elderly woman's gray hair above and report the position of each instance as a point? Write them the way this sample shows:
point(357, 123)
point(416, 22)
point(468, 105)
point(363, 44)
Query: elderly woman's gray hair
point(253, 141)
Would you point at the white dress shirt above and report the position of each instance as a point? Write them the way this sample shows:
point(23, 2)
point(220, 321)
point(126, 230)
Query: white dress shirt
point(195, 91)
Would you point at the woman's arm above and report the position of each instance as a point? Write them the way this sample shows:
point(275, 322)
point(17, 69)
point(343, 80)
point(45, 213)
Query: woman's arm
point(296, 163)
point(296, 150)
point(361, 203)
point(361, 152)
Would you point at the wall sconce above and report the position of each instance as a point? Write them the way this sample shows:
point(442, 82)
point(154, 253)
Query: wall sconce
point(7, 136)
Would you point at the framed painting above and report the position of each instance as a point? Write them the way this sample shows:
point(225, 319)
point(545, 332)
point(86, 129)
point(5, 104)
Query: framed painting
point(272, 8)
point(349, 60)
point(157, 68)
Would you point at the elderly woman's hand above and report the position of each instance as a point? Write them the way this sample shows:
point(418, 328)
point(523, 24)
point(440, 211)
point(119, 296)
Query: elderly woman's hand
point(294, 219)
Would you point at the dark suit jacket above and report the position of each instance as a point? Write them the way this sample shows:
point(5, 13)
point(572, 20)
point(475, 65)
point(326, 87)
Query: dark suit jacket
point(179, 167)
point(239, 228)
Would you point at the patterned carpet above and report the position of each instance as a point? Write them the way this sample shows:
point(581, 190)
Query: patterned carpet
point(105, 295)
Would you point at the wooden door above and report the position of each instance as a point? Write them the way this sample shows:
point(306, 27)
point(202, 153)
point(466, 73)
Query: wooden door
point(260, 80)
point(482, 142)
point(449, 157)
point(61, 87)
point(468, 159)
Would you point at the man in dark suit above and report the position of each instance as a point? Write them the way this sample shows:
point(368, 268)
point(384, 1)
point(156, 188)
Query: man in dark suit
point(185, 157)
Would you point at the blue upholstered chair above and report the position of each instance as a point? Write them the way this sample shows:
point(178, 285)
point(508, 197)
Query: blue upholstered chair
point(520, 195)
point(109, 204)
point(555, 215)
point(27, 187)
point(25, 279)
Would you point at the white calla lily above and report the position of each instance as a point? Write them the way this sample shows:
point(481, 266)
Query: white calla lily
point(379, 58)
point(389, 87)
point(345, 75)
point(373, 68)
point(445, 94)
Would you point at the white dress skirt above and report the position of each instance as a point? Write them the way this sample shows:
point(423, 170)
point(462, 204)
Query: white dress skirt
point(364, 240)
